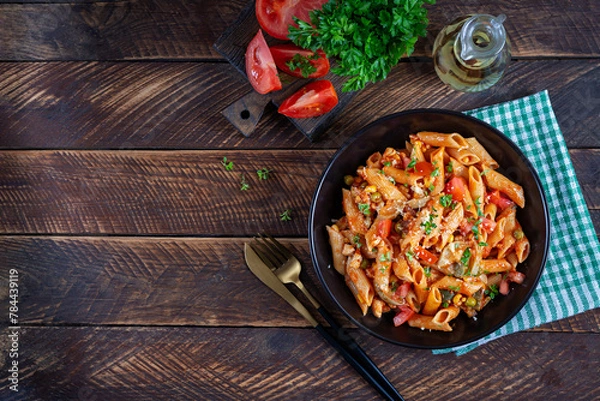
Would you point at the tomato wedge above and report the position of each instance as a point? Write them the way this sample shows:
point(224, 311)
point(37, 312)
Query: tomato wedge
point(275, 16)
point(312, 100)
point(305, 63)
point(260, 66)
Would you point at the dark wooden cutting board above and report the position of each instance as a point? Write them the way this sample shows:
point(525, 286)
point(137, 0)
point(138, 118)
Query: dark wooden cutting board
point(245, 113)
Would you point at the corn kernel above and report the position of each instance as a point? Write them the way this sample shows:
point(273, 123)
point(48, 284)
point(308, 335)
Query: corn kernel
point(370, 188)
point(458, 300)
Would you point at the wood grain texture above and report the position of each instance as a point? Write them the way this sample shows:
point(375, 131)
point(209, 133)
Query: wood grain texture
point(114, 30)
point(163, 282)
point(178, 105)
point(292, 364)
point(184, 29)
point(174, 193)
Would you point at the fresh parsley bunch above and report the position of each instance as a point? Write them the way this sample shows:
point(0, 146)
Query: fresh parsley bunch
point(367, 37)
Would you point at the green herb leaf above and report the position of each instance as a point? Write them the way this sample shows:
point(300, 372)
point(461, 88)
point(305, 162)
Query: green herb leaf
point(244, 186)
point(367, 38)
point(466, 256)
point(227, 164)
point(286, 215)
point(302, 64)
point(364, 208)
point(263, 173)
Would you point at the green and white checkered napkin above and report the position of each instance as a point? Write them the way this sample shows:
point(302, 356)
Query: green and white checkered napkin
point(570, 283)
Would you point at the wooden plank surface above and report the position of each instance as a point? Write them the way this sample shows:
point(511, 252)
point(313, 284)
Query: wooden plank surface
point(186, 29)
point(153, 105)
point(175, 193)
point(160, 281)
point(115, 363)
point(127, 231)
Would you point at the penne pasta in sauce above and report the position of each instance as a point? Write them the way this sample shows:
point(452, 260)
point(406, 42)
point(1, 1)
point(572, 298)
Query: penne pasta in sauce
point(430, 229)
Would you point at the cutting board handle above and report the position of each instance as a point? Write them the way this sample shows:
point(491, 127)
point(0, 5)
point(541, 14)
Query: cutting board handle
point(246, 112)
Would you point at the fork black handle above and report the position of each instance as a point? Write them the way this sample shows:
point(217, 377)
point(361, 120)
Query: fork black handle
point(375, 375)
point(358, 365)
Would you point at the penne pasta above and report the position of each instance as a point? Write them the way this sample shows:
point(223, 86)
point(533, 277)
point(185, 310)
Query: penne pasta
point(495, 180)
point(437, 139)
point(484, 157)
point(412, 235)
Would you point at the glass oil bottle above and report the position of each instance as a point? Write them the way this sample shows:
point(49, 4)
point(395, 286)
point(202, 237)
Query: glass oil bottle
point(471, 53)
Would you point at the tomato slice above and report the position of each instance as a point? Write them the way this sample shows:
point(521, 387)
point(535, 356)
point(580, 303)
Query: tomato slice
point(260, 66)
point(275, 16)
point(457, 187)
point(312, 100)
point(307, 64)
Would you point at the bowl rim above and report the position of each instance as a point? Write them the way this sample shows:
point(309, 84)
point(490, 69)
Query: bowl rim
point(540, 189)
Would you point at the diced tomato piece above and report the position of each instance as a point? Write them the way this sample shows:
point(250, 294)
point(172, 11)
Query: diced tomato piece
point(405, 161)
point(488, 225)
point(457, 187)
point(404, 313)
point(424, 255)
point(260, 66)
point(515, 277)
point(503, 288)
point(499, 199)
point(384, 227)
point(423, 168)
point(402, 290)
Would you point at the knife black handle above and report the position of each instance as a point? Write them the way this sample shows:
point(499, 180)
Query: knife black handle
point(350, 358)
point(360, 357)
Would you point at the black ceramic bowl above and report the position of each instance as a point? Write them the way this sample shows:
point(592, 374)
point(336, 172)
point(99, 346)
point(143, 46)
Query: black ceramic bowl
point(393, 130)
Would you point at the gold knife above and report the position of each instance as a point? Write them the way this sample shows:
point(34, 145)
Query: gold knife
point(264, 274)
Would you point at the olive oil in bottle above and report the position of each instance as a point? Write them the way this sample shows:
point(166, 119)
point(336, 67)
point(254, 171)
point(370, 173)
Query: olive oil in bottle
point(472, 52)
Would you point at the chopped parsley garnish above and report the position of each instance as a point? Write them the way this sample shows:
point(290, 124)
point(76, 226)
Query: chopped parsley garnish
point(449, 167)
point(385, 257)
point(466, 256)
point(446, 200)
point(492, 291)
point(412, 164)
point(364, 208)
point(429, 225)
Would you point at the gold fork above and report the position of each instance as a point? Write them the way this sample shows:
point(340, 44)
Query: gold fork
point(287, 268)
point(284, 264)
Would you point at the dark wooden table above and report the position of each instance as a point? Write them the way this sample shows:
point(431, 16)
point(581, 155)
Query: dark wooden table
point(125, 233)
